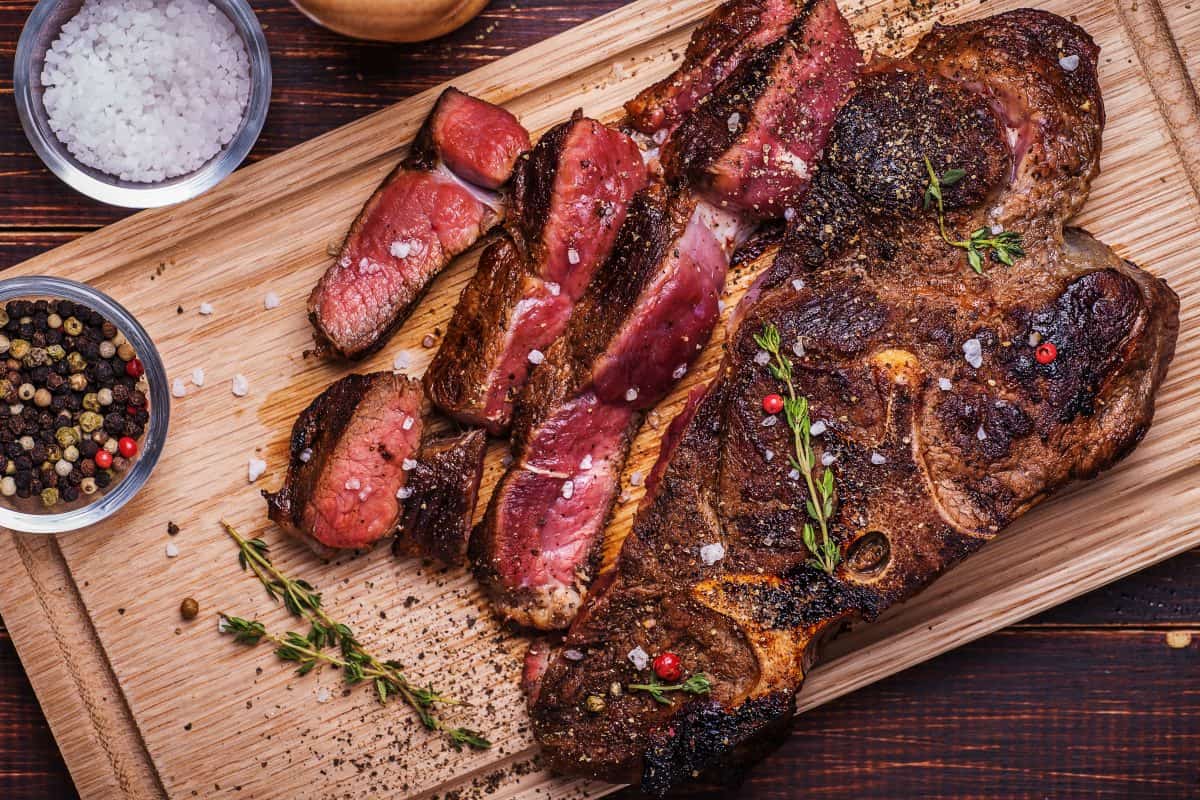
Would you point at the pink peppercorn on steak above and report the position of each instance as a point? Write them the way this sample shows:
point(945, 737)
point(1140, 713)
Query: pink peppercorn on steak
point(436, 204)
point(931, 353)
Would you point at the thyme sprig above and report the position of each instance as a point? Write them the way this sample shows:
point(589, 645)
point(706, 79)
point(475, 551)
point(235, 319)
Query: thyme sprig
point(1007, 245)
point(822, 494)
point(695, 684)
point(357, 664)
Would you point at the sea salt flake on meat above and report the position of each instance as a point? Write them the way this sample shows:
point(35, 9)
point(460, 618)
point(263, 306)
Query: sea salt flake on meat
point(679, 372)
point(536, 357)
point(404, 492)
point(981, 434)
point(572, 255)
point(400, 248)
point(769, 455)
point(826, 460)
point(352, 484)
point(817, 428)
point(795, 473)
point(306, 455)
point(636, 478)
point(762, 358)
point(631, 394)
point(586, 463)
point(639, 657)
point(554, 288)
point(770, 420)
point(734, 120)
point(789, 214)
point(944, 384)
point(797, 284)
point(878, 458)
point(408, 464)
point(572, 655)
point(798, 348)
point(407, 424)
point(712, 553)
point(1069, 63)
point(568, 490)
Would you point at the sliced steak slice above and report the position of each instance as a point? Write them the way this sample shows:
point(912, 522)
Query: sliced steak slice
point(936, 421)
point(635, 332)
point(477, 141)
point(347, 457)
point(439, 498)
point(732, 33)
point(424, 213)
point(570, 198)
point(753, 144)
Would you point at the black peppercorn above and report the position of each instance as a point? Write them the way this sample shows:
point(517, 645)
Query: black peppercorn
point(69, 494)
point(23, 462)
point(87, 449)
point(114, 423)
point(103, 478)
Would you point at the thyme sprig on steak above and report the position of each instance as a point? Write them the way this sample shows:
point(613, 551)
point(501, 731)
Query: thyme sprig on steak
point(1006, 245)
point(822, 494)
point(695, 684)
point(358, 665)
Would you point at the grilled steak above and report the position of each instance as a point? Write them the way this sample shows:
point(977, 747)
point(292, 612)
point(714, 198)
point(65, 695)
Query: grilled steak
point(735, 31)
point(439, 498)
point(642, 322)
point(941, 421)
point(569, 198)
point(432, 207)
point(647, 315)
point(348, 453)
point(750, 147)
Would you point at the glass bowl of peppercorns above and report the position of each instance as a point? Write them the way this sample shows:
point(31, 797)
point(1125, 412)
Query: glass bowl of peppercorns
point(84, 405)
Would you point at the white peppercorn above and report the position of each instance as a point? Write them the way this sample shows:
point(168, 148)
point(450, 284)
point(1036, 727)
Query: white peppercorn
point(26, 391)
point(63, 467)
point(107, 349)
point(71, 453)
point(87, 485)
point(8, 486)
point(105, 396)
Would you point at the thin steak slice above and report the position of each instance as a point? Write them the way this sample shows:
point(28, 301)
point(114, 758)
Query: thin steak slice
point(635, 332)
point(348, 453)
point(932, 413)
point(432, 207)
point(752, 145)
point(569, 199)
point(439, 499)
point(732, 33)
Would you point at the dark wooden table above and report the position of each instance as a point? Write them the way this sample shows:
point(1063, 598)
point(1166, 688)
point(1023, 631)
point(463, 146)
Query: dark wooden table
point(1093, 699)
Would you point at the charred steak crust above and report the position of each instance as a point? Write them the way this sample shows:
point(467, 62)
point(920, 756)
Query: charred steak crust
point(346, 460)
point(932, 454)
point(432, 207)
point(443, 488)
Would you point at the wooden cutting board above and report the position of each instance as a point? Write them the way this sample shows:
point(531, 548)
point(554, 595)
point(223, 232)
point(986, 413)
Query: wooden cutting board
point(145, 705)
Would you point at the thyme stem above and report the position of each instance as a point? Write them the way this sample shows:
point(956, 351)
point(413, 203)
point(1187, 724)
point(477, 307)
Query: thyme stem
point(1006, 245)
point(358, 664)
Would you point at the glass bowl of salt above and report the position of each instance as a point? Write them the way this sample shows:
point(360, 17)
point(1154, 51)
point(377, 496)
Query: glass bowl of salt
point(142, 103)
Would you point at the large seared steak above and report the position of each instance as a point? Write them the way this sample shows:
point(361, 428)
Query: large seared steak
point(944, 402)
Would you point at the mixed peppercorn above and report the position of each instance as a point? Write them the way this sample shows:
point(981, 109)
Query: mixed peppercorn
point(76, 401)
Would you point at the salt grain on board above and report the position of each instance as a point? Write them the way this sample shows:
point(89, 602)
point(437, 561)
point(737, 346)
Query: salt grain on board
point(240, 386)
point(255, 469)
point(270, 301)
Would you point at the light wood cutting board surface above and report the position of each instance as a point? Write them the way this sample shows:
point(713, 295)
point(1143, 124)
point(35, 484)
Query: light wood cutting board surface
point(144, 705)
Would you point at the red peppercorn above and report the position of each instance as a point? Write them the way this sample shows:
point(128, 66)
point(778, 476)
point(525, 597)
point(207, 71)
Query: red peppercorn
point(127, 446)
point(668, 666)
point(772, 404)
point(134, 368)
point(1046, 352)
point(103, 459)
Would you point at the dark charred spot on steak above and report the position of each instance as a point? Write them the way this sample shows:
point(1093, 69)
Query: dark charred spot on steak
point(842, 320)
point(981, 424)
point(1088, 324)
point(896, 120)
point(705, 736)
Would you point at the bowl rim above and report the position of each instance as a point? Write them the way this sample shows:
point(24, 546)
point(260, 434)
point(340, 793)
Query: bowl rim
point(58, 159)
point(108, 503)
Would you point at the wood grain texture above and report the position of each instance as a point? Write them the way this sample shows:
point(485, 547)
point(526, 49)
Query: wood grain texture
point(1109, 214)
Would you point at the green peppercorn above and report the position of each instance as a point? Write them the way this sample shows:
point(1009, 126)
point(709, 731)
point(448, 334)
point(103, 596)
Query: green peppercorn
point(91, 402)
point(189, 608)
point(71, 453)
point(56, 352)
point(66, 436)
point(36, 357)
point(76, 362)
point(19, 348)
point(49, 497)
point(72, 326)
point(594, 703)
point(90, 420)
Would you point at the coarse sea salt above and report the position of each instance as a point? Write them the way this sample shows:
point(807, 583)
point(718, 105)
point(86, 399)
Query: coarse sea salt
point(206, 309)
point(270, 301)
point(712, 553)
point(255, 469)
point(639, 657)
point(240, 386)
point(177, 388)
point(146, 89)
point(198, 376)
